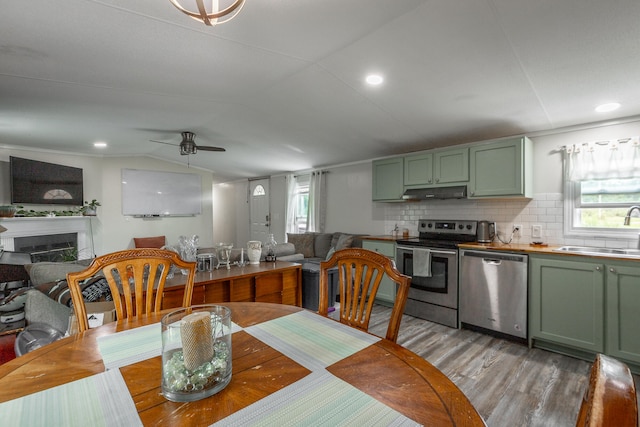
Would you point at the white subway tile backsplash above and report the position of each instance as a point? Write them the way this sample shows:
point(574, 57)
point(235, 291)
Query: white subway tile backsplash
point(545, 209)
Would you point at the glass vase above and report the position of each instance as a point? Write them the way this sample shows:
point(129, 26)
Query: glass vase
point(196, 352)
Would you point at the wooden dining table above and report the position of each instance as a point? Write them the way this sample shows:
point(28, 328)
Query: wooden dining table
point(283, 357)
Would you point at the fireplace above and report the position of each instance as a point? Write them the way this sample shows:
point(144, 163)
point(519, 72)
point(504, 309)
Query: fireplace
point(51, 247)
point(48, 239)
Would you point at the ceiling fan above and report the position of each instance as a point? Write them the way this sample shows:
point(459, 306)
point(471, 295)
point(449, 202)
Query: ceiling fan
point(188, 145)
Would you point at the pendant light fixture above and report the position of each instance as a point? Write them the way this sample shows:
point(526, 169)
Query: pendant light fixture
point(214, 12)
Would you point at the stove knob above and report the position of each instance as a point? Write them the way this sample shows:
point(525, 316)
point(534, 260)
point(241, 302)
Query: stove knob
point(460, 226)
point(469, 227)
point(430, 225)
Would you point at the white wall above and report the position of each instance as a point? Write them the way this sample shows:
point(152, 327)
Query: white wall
point(112, 231)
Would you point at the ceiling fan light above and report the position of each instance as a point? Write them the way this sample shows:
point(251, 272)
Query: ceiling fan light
point(214, 13)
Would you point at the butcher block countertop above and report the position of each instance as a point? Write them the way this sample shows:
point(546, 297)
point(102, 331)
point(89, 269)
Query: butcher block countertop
point(512, 247)
point(538, 249)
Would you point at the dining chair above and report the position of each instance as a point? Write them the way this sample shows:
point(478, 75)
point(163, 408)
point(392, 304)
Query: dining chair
point(136, 275)
point(360, 272)
point(610, 398)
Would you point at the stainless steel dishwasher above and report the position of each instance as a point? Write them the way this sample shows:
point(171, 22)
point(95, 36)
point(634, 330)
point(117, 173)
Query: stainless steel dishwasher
point(493, 291)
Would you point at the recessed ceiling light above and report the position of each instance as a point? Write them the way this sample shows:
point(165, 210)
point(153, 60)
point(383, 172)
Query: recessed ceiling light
point(100, 144)
point(605, 108)
point(374, 79)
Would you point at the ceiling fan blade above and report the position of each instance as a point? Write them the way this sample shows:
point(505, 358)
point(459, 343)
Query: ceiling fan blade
point(162, 142)
point(205, 148)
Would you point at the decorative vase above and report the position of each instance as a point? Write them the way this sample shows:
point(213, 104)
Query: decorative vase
point(196, 352)
point(188, 250)
point(254, 250)
point(270, 249)
point(7, 211)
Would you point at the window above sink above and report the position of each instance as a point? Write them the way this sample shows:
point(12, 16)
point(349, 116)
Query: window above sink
point(602, 182)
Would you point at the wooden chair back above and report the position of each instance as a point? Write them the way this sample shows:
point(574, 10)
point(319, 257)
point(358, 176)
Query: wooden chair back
point(137, 276)
point(360, 272)
point(610, 399)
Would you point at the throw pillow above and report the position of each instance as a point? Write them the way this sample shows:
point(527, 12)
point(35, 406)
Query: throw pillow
point(149, 242)
point(344, 242)
point(330, 254)
point(322, 244)
point(303, 243)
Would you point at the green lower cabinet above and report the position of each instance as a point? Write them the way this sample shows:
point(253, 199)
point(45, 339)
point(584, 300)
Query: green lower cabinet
point(566, 304)
point(387, 291)
point(623, 311)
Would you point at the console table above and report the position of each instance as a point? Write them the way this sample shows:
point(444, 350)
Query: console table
point(276, 282)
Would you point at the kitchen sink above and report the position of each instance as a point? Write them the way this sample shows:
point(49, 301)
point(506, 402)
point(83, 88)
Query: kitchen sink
point(620, 253)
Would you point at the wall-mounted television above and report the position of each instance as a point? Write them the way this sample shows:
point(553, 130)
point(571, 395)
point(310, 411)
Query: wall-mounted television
point(41, 183)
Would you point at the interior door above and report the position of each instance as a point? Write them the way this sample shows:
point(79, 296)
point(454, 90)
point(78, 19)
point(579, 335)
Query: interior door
point(259, 208)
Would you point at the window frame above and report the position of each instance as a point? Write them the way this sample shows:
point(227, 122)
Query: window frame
point(572, 203)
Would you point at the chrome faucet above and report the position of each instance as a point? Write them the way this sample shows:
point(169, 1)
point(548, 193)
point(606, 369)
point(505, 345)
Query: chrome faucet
point(627, 219)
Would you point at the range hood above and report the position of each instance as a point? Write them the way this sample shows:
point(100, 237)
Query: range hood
point(437, 193)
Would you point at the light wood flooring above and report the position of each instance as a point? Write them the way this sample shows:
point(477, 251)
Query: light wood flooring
point(508, 383)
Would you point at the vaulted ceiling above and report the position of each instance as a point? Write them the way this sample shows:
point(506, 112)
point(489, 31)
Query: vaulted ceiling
point(281, 86)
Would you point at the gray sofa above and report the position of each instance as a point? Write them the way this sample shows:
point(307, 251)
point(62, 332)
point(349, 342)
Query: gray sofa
point(317, 247)
point(314, 248)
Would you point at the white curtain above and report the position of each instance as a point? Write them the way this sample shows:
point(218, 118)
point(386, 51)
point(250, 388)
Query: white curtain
point(603, 160)
point(291, 204)
point(317, 202)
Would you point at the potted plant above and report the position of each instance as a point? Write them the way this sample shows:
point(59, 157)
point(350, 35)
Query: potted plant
point(90, 208)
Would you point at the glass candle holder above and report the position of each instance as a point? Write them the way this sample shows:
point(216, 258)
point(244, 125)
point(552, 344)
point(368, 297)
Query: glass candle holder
point(196, 352)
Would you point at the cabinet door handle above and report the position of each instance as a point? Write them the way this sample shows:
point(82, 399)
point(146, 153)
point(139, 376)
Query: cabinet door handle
point(437, 179)
point(611, 269)
point(598, 268)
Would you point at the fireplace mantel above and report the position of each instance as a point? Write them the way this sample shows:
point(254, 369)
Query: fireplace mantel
point(41, 226)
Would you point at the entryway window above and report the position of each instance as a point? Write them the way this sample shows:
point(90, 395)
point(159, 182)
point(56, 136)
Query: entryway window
point(259, 191)
point(602, 182)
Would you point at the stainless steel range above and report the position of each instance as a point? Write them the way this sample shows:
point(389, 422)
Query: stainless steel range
point(432, 262)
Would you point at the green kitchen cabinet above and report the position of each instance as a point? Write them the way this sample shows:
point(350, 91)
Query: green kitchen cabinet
point(623, 310)
point(418, 169)
point(451, 166)
point(387, 291)
point(437, 167)
point(566, 303)
point(503, 168)
point(388, 179)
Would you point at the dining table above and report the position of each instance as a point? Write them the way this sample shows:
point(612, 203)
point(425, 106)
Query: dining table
point(290, 366)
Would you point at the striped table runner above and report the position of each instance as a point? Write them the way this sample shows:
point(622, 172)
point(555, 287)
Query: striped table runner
point(98, 400)
point(319, 399)
point(313, 341)
point(134, 345)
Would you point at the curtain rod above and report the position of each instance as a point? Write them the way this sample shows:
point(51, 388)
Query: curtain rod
point(311, 173)
point(633, 140)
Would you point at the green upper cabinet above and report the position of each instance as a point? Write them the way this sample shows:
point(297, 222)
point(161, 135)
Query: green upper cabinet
point(451, 166)
point(387, 179)
point(566, 303)
point(502, 169)
point(437, 167)
point(623, 312)
point(418, 169)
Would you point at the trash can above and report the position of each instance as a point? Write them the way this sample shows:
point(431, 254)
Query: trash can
point(311, 286)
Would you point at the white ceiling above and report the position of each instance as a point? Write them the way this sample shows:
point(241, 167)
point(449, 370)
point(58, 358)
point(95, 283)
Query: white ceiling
point(281, 86)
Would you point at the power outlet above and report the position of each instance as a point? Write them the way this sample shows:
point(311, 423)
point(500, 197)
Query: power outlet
point(517, 230)
point(536, 231)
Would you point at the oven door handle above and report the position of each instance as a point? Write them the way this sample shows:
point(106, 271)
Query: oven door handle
point(433, 251)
